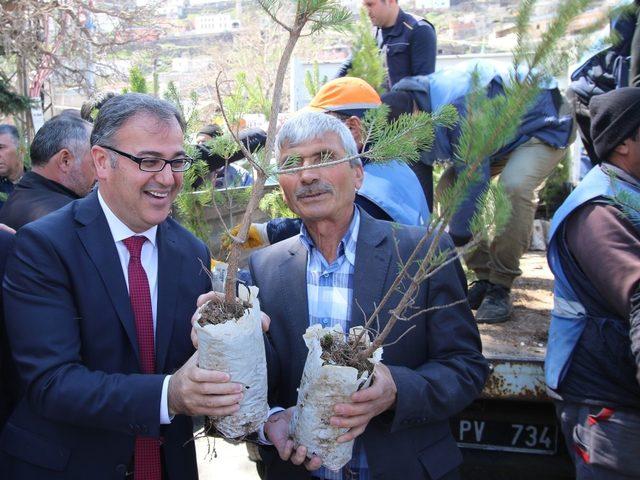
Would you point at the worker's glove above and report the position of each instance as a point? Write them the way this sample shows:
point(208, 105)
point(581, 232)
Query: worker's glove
point(256, 237)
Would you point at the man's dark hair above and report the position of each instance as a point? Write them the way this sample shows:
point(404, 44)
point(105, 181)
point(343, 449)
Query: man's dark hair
point(62, 131)
point(212, 130)
point(119, 109)
point(5, 128)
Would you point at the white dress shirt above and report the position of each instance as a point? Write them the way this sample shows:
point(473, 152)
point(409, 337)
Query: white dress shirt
point(149, 260)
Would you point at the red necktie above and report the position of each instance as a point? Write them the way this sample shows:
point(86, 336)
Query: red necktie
point(147, 452)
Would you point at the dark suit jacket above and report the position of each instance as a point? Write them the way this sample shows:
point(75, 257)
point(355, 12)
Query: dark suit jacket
point(438, 368)
point(73, 338)
point(33, 197)
point(8, 377)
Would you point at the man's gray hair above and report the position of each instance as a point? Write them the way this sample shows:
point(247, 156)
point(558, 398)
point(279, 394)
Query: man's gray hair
point(62, 131)
point(5, 129)
point(306, 126)
point(117, 110)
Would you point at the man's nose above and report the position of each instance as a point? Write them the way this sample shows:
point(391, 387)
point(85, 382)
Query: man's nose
point(166, 175)
point(309, 175)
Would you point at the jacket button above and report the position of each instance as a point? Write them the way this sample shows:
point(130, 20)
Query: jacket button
point(121, 469)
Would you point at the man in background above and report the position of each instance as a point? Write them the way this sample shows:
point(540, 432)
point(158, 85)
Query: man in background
point(407, 42)
point(62, 170)
point(11, 166)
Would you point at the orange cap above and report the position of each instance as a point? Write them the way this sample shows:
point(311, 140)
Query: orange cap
point(346, 93)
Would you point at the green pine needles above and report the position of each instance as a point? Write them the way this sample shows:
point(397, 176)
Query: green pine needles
point(366, 60)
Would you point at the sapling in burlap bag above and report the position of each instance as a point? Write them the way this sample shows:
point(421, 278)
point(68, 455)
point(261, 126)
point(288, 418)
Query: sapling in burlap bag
point(230, 340)
point(328, 379)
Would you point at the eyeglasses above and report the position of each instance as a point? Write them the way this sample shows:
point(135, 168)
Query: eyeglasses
point(155, 164)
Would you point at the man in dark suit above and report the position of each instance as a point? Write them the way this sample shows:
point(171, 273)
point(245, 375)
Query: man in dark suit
point(8, 377)
point(62, 171)
point(98, 301)
point(335, 272)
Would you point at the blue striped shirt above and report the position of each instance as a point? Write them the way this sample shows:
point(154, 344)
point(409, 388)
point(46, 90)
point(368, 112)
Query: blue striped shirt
point(330, 294)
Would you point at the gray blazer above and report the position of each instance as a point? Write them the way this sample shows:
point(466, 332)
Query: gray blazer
point(438, 367)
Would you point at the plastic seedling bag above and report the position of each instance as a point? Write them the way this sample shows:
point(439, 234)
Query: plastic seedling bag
point(321, 388)
point(236, 347)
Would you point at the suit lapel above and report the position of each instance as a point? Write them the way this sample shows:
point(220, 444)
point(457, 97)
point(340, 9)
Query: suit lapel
point(293, 273)
point(373, 256)
point(170, 262)
point(98, 242)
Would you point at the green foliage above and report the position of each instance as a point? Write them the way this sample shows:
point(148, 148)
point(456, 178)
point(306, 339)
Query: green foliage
point(493, 212)
point(404, 138)
point(273, 204)
point(630, 206)
point(245, 97)
point(366, 62)
point(324, 15)
point(10, 102)
point(401, 140)
point(224, 146)
point(317, 15)
point(555, 189)
point(137, 82)
point(191, 203)
point(628, 202)
point(188, 111)
point(196, 194)
point(312, 80)
point(545, 55)
point(232, 196)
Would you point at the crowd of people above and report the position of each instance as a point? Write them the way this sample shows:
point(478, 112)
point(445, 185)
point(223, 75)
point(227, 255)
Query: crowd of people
point(99, 373)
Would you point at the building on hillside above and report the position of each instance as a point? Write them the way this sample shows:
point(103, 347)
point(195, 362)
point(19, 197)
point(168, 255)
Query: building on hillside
point(215, 23)
point(432, 4)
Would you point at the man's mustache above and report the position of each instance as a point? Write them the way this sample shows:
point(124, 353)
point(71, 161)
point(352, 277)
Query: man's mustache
point(316, 189)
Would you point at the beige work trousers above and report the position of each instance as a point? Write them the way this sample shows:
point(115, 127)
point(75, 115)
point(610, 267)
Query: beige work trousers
point(522, 174)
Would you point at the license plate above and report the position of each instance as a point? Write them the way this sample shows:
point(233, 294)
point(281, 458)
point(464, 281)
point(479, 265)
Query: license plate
point(504, 436)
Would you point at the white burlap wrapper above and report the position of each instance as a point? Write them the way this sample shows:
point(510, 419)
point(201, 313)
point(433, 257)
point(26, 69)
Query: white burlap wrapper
point(321, 388)
point(237, 348)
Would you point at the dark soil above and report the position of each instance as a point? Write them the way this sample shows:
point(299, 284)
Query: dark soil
point(215, 313)
point(336, 351)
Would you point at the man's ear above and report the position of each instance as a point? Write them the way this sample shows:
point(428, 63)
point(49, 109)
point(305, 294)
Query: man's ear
point(354, 124)
point(101, 160)
point(622, 148)
point(64, 160)
point(359, 176)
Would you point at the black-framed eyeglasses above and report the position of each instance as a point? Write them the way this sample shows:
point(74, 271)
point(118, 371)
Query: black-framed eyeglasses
point(156, 164)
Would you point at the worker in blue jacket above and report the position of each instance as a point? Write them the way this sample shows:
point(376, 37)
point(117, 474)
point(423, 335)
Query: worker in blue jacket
point(523, 164)
point(592, 367)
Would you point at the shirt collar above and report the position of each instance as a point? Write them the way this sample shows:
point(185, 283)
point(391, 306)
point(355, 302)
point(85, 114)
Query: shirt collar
point(619, 173)
point(119, 230)
point(347, 246)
